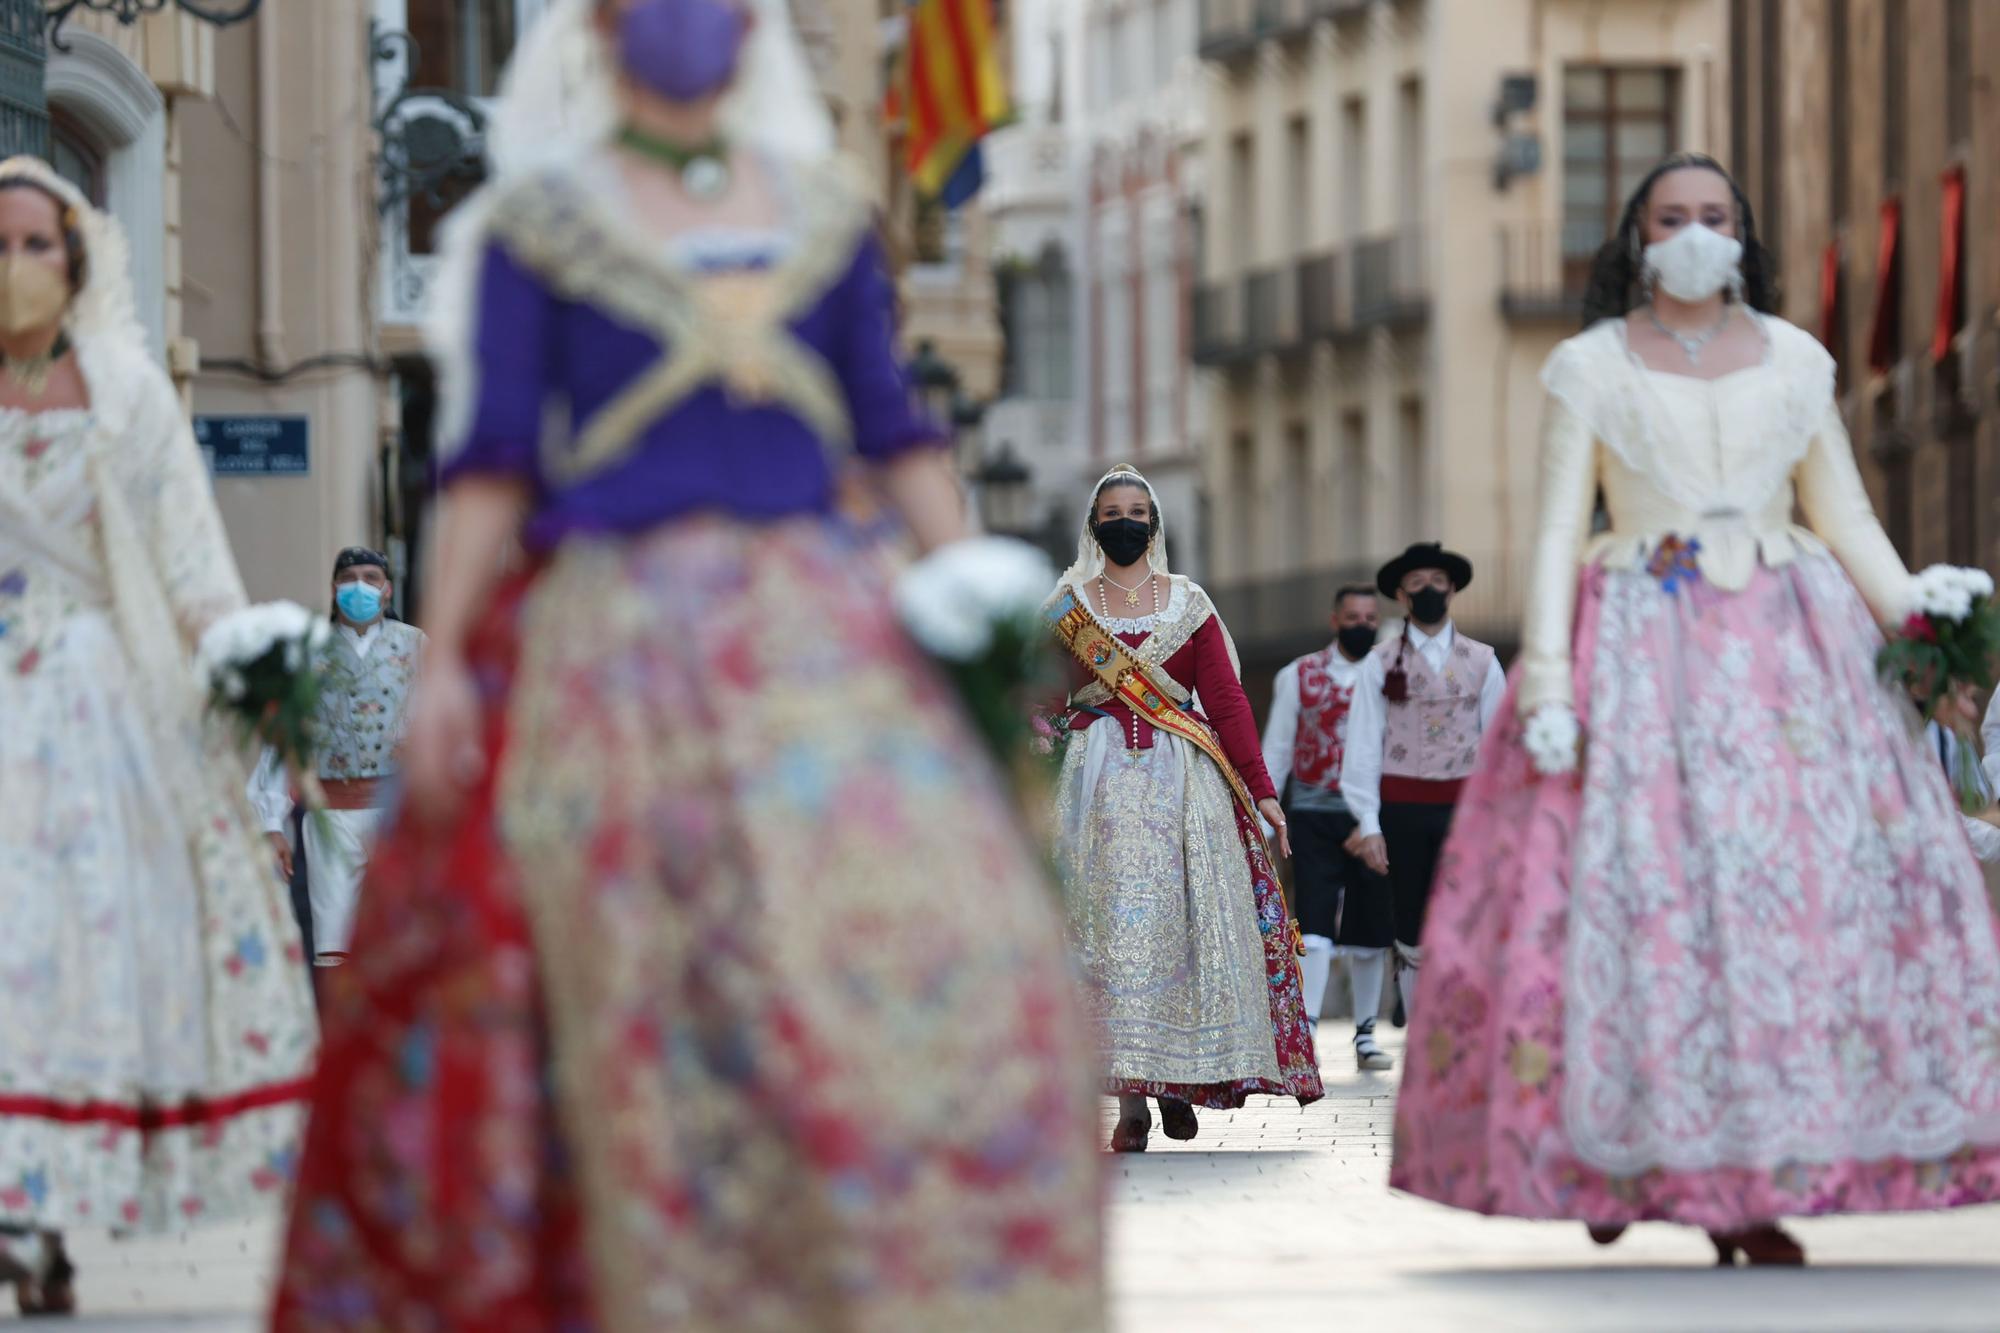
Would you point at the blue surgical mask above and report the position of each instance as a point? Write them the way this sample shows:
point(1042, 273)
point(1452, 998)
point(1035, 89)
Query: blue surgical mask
point(359, 602)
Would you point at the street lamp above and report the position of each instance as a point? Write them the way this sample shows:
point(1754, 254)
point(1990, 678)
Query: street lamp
point(1006, 499)
point(222, 13)
point(937, 384)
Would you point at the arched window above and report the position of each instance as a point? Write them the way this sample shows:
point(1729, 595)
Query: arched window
point(76, 156)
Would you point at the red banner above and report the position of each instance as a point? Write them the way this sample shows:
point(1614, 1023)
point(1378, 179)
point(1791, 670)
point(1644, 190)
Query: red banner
point(1951, 260)
point(1885, 330)
point(1829, 297)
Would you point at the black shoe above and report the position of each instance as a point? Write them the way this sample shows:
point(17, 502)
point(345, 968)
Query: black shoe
point(1396, 1017)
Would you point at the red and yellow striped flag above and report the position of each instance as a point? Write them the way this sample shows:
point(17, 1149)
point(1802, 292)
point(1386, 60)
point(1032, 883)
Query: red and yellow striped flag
point(948, 88)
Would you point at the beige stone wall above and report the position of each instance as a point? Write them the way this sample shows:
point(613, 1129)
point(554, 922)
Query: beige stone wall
point(277, 210)
point(1933, 467)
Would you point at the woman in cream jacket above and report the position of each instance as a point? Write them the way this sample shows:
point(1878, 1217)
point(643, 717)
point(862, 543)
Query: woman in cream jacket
point(1708, 944)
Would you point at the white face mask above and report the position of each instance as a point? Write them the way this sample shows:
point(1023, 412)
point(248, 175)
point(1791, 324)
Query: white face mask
point(1695, 263)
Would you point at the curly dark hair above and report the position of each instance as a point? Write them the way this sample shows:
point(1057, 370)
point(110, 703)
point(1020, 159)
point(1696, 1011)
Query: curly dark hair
point(1616, 283)
point(1126, 475)
point(78, 258)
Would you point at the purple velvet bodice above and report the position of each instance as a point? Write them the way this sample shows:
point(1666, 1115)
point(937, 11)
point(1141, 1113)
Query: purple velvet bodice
point(713, 450)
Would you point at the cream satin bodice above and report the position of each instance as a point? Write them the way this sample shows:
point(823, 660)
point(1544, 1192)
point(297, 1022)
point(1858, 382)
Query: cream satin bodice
point(1724, 462)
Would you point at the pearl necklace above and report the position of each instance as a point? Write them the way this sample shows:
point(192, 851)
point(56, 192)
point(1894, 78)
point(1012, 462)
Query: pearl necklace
point(1131, 593)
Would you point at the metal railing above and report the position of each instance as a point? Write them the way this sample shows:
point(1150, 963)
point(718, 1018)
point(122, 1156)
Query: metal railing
point(1231, 29)
point(1545, 269)
point(1389, 281)
point(1220, 331)
point(1321, 311)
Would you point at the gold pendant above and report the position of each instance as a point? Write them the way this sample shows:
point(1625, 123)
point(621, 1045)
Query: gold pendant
point(1132, 597)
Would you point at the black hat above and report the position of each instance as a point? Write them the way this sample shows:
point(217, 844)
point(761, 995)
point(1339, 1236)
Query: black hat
point(1424, 555)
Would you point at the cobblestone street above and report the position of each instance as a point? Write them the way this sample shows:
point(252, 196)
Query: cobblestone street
point(1278, 1220)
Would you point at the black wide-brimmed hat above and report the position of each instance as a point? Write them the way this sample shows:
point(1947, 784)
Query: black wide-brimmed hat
point(1424, 555)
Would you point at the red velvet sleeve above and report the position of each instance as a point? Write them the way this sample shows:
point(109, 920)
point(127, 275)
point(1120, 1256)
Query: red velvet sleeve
point(1227, 709)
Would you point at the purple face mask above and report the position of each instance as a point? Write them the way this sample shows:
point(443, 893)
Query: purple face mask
point(684, 50)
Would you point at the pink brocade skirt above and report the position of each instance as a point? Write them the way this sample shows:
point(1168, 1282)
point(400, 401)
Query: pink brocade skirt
point(1742, 966)
point(736, 999)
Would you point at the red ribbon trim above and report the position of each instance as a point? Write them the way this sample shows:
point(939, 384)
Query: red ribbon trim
point(152, 1119)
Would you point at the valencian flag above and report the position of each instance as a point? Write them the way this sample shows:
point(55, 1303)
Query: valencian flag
point(949, 92)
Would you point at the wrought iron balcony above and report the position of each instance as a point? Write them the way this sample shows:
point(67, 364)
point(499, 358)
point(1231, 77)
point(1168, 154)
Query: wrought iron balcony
point(1231, 29)
point(1545, 270)
point(1240, 319)
point(1389, 282)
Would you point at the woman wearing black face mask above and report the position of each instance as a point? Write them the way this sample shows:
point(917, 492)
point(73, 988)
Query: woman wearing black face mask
point(1164, 868)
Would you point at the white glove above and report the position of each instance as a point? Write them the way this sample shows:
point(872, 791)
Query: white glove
point(1552, 739)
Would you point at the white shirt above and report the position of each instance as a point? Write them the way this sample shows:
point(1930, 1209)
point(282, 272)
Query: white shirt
point(1281, 731)
point(270, 791)
point(1989, 735)
point(1361, 768)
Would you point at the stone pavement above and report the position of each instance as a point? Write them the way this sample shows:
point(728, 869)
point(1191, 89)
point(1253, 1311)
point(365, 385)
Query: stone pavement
point(1280, 1221)
point(1277, 1220)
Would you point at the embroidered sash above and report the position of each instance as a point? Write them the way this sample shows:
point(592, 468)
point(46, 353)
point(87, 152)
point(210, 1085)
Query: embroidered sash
point(1114, 667)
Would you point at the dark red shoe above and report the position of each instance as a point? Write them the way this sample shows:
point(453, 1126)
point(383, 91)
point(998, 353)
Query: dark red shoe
point(1131, 1134)
point(1761, 1247)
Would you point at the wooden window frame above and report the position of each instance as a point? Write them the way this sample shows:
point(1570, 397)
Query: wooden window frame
point(1576, 266)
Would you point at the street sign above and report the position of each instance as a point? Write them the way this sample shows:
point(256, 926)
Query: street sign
point(256, 446)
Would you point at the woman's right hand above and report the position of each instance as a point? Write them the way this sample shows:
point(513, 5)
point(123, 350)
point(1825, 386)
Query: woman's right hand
point(442, 753)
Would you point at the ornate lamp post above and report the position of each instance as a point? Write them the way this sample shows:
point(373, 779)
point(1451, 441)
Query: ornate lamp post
point(1006, 498)
point(937, 384)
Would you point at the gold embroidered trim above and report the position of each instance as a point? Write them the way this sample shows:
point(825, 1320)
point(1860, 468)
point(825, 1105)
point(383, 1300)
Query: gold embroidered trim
point(1151, 655)
point(713, 332)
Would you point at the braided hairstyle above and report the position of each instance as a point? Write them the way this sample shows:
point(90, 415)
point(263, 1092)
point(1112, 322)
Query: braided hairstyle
point(1617, 279)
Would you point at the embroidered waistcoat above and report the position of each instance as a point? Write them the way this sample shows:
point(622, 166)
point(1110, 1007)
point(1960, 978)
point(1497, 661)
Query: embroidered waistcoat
point(364, 701)
point(1433, 734)
point(1322, 729)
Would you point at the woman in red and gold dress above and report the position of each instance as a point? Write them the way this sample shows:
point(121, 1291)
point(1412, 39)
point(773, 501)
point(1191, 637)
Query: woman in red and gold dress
point(1175, 915)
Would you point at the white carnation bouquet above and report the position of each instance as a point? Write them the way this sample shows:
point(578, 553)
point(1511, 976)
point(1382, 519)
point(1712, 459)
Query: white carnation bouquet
point(1949, 643)
point(261, 668)
point(975, 606)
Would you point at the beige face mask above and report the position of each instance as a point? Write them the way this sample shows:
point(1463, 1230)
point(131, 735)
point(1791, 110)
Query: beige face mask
point(33, 294)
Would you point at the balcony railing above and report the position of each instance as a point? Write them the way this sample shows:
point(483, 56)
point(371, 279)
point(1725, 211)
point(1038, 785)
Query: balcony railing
point(1276, 618)
point(1545, 270)
point(1389, 281)
point(1231, 29)
point(1330, 296)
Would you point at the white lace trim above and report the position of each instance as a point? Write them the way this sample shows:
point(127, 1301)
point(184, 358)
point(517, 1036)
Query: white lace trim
point(1596, 376)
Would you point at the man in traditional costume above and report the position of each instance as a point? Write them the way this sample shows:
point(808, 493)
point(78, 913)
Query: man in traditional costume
point(362, 708)
point(1339, 898)
point(1421, 704)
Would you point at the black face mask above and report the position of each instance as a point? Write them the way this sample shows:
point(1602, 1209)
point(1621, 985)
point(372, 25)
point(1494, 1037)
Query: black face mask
point(1428, 606)
point(1123, 540)
point(1356, 641)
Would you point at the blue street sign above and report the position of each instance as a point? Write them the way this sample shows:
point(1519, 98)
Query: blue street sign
point(256, 446)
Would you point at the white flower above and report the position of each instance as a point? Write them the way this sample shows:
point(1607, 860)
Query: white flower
point(1551, 738)
point(241, 637)
point(952, 598)
point(1947, 592)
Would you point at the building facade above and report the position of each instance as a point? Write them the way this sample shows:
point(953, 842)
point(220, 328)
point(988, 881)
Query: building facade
point(1137, 137)
point(1868, 132)
point(1403, 199)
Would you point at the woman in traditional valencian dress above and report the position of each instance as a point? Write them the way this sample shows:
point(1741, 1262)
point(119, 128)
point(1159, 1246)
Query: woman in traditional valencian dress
point(1707, 944)
point(156, 1029)
point(1180, 927)
point(705, 980)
